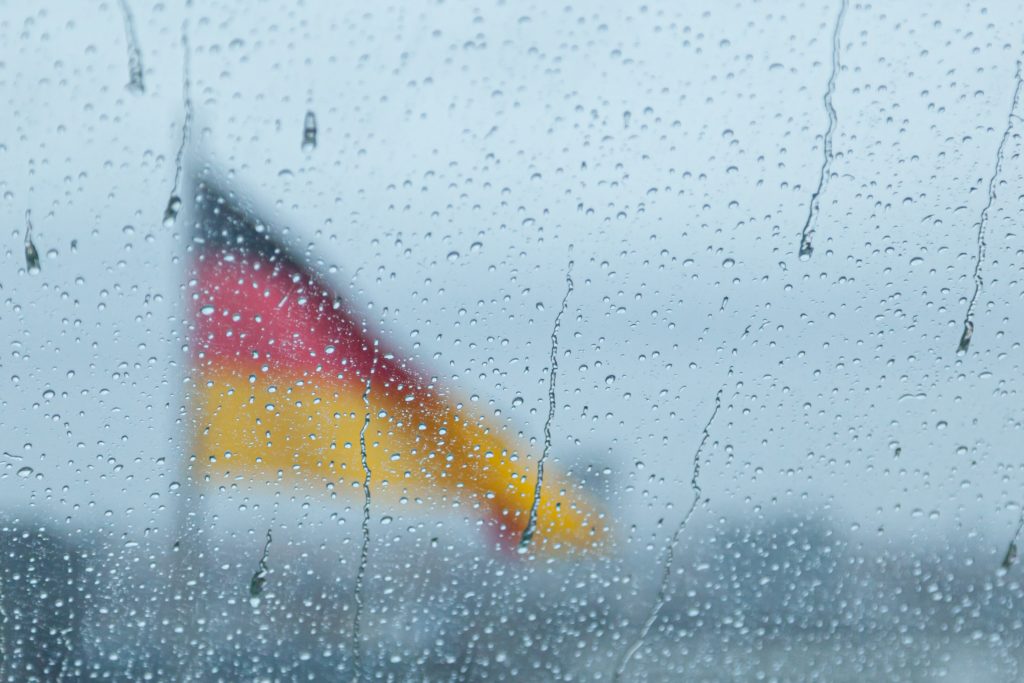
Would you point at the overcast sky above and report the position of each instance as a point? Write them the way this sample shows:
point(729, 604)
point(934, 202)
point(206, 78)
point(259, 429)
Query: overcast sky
point(462, 150)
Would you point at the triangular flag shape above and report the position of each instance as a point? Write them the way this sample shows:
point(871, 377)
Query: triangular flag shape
point(291, 383)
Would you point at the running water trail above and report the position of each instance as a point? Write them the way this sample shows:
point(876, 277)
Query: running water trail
point(309, 132)
point(531, 524)
point(135, 83)
point(31, 253)
point(174, 203)
point(670, 550)
point(1011, 551)
point(364, 555)
point(965, 336)
point(309, 129)
point(3, 629)
point(259, 579)
point(807, 234)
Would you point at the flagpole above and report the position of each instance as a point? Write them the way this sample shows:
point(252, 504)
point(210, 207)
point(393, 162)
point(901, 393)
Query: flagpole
point(187, 545)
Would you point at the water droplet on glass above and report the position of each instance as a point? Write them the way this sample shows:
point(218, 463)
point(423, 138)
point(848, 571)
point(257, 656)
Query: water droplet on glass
point(965, 338)
point(171, 212)
point(309, 132)
point(1011, 556)
point(25, 472)
point(31, 253)
point(259, 578)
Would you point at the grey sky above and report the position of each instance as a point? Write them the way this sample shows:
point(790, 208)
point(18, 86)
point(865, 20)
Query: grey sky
point(461, 150)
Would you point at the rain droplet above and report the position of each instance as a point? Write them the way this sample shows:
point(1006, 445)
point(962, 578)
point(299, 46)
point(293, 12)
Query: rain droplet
point(25, 472)
point(135, 82)
point(171, 212)
point(309, 132)
point(1011, 556)
point(259, 578)
point(965, 338)
point(31, 253)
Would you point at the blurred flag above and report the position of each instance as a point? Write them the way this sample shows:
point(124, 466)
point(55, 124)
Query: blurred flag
point(285, 373)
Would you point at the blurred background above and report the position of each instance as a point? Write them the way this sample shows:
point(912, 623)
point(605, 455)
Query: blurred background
point(861, 480)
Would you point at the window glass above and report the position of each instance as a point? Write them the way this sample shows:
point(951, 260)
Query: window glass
point(510, 342)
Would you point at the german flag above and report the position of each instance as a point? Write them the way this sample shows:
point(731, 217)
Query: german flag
point(292, 384)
